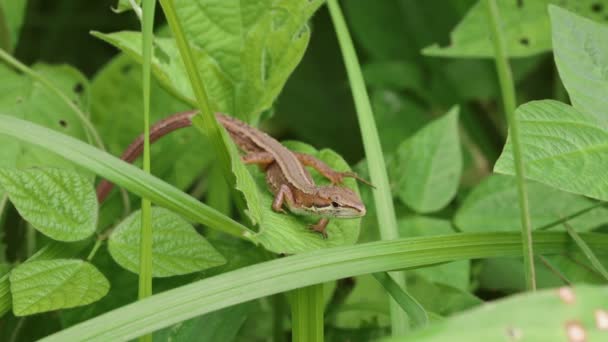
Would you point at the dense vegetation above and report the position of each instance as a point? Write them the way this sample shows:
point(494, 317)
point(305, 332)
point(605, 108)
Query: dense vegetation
point(482, 125)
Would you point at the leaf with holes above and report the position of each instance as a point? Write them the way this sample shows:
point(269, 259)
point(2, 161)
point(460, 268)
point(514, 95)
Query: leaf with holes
point(563, 148)
point(245, 50)
point(581, 55)
point(176, 247)
point(40, 286)
point(565, 314)
point(61, 204)
point(525, 26)
point(493, 206)
point(429, 164)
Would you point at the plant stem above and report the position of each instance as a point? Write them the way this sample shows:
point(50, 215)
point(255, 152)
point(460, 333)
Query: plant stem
point(383, 199)
point(307, 314)
point(145, 246)
point(507, 88)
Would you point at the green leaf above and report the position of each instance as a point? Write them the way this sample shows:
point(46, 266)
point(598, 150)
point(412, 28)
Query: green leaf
point(429, 165)
point(125, 5)
point(493, 206)
point(415, 311)
point(581, 55)
point(563, 148)
point(176, 248)
point(566, 314)
point(40, 286)
point(29, 100)
point(290, 234)
point(222, 325)
point(442, 299)
point(525, 26)
point(245, 51)
point(455, 274)
point(297, 271)
point(61, 204)
point(12, 13)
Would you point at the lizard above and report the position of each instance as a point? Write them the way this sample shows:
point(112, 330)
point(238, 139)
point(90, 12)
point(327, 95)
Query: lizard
point(286, 174)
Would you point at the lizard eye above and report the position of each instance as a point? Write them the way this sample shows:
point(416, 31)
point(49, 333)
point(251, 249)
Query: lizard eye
point(334, 204)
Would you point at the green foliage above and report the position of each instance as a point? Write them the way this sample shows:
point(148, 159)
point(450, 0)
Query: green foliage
point(492, 206)
point(176, 247)
point(525, 26)
point(11, 20)
point(566, 314)
point(40, 286)
point(433, 159)
point(59, 203)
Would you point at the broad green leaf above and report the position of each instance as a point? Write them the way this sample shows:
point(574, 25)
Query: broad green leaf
point(176, 246)
point(290, 234)
point(429, 164)
point(12, 13)
point(178, 157)
point(368, 302)
point(222, 325)
point(441, 299)
point(245, 50)
point(29, 100)
point(563, 314)
point(562, 147)
point(397, 117)
point(455, 274)
point(284, 274)
point(398, 75)
point(525, 25)
point(493, 206)
point(581, 55)
point(59, 203)
point(40, 286)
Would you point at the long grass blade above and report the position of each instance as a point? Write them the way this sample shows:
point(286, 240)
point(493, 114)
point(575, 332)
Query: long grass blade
point(593, 259)
point(285, 274)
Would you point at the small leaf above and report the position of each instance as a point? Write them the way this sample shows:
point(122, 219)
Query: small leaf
point(176, 247)
point(429, 165)
point(525, 26)
point(562, 147)
point(59, 203)
point(581, 55)
point(40, 286)
point(493, 206)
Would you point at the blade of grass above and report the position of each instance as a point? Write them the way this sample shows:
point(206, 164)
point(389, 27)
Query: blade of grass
point(383, 198)
point(555, 270)
point(211, 128)
point(121, 173)
point(307, 313)
point(507, 88)
point(145, 251)
point(415, 311)
point(571, 216)
point(595, 262)
point(285, 274)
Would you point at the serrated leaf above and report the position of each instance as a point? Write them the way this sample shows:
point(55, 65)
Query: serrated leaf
point(581, 55)
point(290, 234)
point(525, 25)
point(562, 147)
point(61, 204)
point(176, 247)
point(493, 206)
point(245, 50)
point(429, 165)
point(40, 286)
point(551, 315)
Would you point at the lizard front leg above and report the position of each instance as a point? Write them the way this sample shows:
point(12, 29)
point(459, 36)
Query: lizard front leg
point(320, 226)
point(284, 195)
point(334, 176)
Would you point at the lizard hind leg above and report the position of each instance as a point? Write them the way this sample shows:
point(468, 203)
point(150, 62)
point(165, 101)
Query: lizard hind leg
point(320, 227)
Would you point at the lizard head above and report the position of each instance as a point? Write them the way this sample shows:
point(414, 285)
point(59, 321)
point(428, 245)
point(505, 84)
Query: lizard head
point(337, 201)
